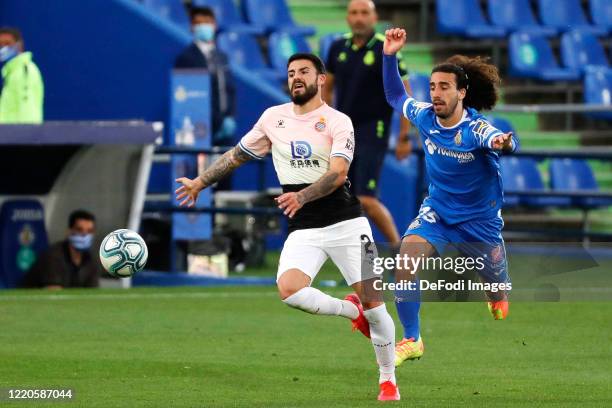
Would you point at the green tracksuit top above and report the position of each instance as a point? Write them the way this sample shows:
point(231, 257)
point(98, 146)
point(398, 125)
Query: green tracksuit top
point(22, 95)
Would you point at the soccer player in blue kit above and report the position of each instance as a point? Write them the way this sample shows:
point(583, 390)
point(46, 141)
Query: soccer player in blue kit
point(462, 151)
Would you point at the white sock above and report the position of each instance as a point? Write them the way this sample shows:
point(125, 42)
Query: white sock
point(382, 333)
point(314, 301)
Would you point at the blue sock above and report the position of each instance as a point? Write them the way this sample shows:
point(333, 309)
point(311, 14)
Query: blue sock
point(408, 303)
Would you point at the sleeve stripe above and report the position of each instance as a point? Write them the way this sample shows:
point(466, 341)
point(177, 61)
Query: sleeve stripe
point(247, 151)
point(406, 102)
point(342, 155)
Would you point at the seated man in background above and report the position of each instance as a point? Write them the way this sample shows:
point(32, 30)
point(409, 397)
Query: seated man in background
point(203, 53)
point(69, 263)
point(22, 95)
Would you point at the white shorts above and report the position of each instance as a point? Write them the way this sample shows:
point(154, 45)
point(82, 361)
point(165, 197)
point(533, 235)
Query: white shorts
point(308, 249)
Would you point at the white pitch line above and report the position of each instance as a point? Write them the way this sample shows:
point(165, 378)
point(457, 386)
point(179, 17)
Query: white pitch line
point(119, 296)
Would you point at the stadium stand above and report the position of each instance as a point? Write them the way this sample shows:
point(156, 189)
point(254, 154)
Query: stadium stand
point(516, 15)
point(465, 17)
point(565, 15)
point(173, 10)
point(419, 84)
point(598, 89)
point(580, 49)
point(521, 175)
point(242, 50)
point(281, 46)
point(228, 17)
point(531, 56)
point(601, 13)
point(273, 15)
point(575, 175)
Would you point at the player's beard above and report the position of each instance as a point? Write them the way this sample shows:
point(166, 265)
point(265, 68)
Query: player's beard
point(310, 91)
point(449, 112)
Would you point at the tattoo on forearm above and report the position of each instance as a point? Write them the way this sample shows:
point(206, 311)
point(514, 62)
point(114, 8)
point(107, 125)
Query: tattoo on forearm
point(227, 163)
point(322, 187)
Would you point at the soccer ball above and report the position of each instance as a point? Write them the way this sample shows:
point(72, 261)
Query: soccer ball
point(123, 253)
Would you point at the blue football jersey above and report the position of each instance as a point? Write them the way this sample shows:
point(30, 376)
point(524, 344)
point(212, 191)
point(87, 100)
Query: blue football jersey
point(463, 169)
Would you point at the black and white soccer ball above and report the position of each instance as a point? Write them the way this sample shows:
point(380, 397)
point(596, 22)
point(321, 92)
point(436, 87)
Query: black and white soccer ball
point(123, 253)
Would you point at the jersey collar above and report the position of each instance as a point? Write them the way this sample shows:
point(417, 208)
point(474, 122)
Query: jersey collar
point(464, 118)
point(349, 42)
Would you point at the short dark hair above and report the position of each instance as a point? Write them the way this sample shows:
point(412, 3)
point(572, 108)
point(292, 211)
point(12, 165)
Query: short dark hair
point(316, 61)
point(80, 215)
point(201, 11)
point(477, 76)
point(12, 31)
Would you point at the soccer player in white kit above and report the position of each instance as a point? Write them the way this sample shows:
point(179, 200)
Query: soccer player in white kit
point(312, 147)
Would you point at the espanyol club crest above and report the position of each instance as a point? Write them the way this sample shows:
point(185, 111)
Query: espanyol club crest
point(458, 138)
point(320, 125)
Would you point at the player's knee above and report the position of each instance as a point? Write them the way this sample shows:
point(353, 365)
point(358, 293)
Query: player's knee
point(286, 289)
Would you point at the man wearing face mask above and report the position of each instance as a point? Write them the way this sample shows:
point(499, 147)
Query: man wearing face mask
point(22, 95)
point(202, 53)
point(69, 263)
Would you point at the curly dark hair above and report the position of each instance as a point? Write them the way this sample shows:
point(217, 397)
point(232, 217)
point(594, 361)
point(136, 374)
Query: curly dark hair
point(477, 76)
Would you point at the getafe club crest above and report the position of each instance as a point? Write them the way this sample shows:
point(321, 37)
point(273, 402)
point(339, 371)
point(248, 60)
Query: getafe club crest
point(458, 138)
point(320, 125)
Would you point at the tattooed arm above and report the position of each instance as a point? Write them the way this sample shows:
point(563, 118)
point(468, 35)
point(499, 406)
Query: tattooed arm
point(190, 189)
point(327, 184)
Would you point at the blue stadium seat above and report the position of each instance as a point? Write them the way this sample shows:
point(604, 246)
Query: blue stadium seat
point(531, 57)
point(273, 15)
point(601, 13)
point(325, 43)
point(242, 49)
point(565, 15)
point(172, 10)
point(228, 17)
point(570, 175)
point(419, 84)
point(522, 174)
point(22, 237)
point(281, 46)
point(581, 48)
point(515, 15)
point(465, 18)
point(502, 124)
point(598, 89)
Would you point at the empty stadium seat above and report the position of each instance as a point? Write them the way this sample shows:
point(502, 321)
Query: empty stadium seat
point(242, 49)
point(522, 174)
point(172, 10)
point(570, 175)
point(565, 15)
point(281, 46)
point(531, 56)
point(502, 124)
point(273, 15)
point(22, 237)
point(516, 15)
point(325, 43)
point(228, 17)
point(601, 13)
point(464, 17)
point(598, 89)
point(419, 84)
point(581, 48)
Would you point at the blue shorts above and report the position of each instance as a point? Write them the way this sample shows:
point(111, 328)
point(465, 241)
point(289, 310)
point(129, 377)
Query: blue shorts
point(370, 152)
point(474, 238)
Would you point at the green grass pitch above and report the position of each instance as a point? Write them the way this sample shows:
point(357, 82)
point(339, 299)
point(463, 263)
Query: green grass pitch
point(225, 347)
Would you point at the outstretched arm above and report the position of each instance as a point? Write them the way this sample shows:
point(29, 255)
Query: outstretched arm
point(327, 184)
point(190, 189)
point(395, 92)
